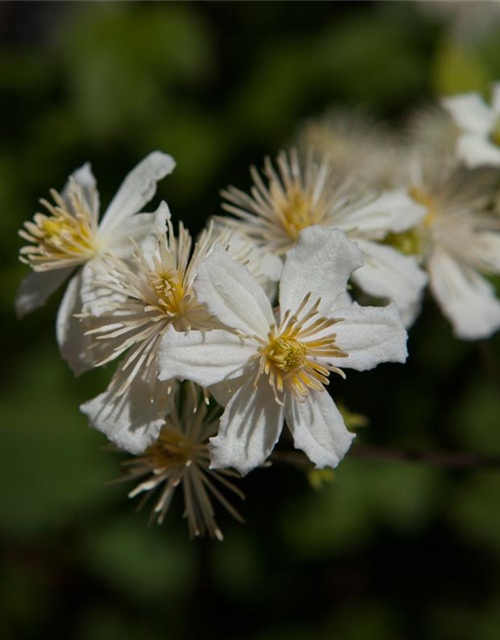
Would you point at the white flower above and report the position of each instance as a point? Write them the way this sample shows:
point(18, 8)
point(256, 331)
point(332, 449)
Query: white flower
point(294, 199)
point(278, 365)
point(70, 236)
point(459, 242)
point(138, 300)
point(479, 142)
point(179, 458)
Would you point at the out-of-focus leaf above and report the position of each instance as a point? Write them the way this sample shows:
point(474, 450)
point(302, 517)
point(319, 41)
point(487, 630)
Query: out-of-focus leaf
point(458, 69)
point(146, 563)
point(54, 471)
point(475, 419)
point(125, 61)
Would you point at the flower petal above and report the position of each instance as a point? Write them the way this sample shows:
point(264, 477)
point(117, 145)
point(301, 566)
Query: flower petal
point(232, 294)
point(318, 428)
point(142, 229)
point(87, 182)
point(205, 357)
point(477, 150)
point(74, 345)
point(370, 335)
point(137, 189)
point(391, 211)
point(470, 112)
point(320, 263)
point(133, 420)
point(388, 274)
point(249, 428)
point(465, 297)
point(35, 289)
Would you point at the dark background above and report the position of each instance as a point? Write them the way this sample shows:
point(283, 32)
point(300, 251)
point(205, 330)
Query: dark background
point(387, 550)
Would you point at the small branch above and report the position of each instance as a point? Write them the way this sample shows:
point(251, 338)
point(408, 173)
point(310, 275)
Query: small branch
point(447, 459)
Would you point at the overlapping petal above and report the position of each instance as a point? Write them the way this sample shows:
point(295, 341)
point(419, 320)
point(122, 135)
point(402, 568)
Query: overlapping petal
point(386, 273)
point(35, 289)
point(370, 336)
point(132, 420)
point(470, 112)
point(205, 357)
point(136, 190)
point(390, 211)
point(466, 298)
point(320, 263)
point(318, 428)
point(232, 294)
point(249, 428)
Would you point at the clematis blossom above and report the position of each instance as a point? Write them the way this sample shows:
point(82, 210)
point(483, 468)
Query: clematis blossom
point(278, 363)
point(296, 197)
point(479, 123)
point(70, 238)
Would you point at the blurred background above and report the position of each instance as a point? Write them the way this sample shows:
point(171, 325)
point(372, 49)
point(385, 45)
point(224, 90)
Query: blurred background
point(387, 550)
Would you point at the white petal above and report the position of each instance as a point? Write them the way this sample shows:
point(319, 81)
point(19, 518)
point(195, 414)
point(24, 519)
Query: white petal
point(470, 112)
point(205, 357)
point(249, 428)
point(225, 390)
point(74, 345)
point(136, 190)
point(86, 180)
point(391, 211)
point(321, 263)
point(232, 294)
point(37, 287)
point(141, 229)
point(370, 335)
point(465, 297)
point(132, 421)
point(477, 150)
point(388, 274)
point(318, 428)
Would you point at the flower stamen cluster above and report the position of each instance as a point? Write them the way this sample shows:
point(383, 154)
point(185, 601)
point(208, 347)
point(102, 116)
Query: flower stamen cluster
point(63, 238)
point(290, 356)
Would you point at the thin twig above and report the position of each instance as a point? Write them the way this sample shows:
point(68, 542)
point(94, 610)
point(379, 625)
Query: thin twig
point(448, 459)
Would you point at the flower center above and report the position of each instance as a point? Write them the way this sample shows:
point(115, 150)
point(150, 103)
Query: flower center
point(413, 241)
point(169, 291)
point(173, 449)
point(63, 238)
point(298, 354)
point(298, 211)
point(286, 353)
point(426, 200)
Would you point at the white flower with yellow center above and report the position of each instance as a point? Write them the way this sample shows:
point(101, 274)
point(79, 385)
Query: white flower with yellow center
point(180, 458)
point(295, 198)
point(479, 123)
point(278, 365)
point(458, 242)
point(139, 299)
point(69, 235)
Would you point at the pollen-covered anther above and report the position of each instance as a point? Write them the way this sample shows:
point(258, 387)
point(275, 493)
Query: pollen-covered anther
point(298, 354)
point(64, 238)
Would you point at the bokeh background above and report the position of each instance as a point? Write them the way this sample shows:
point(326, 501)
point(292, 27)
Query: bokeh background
point(387, 550)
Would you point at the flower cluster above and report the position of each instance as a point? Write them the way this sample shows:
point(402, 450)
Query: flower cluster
point(270, 301)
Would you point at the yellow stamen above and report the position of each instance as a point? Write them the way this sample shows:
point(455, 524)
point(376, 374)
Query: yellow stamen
point(426, 200)
point(297, 353)
point(297, 210)
point(63, 238)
